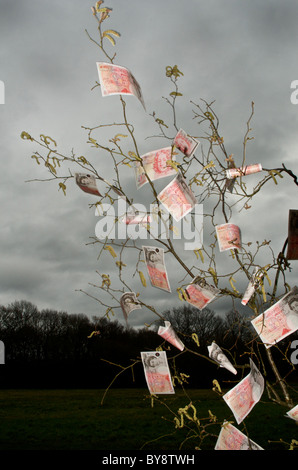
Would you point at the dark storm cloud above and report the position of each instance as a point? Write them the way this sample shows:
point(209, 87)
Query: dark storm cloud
point(232, 53)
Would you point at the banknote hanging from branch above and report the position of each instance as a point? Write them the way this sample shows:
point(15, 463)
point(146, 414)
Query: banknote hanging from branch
point(129, 302)
point(246, 394)
point(185, 143)
point(118, 80)
point(216, 353)
point(168, 334)
point(199, 293)
point(134, 218)
point(156, 268)
point(228, 236)
point(253, 284)
point(177, 198)
point(278, 321)
point(87, 183)
point(293, 413)
point(157, 372)
point(245, 170)
point(155, 166)
point(230, 438)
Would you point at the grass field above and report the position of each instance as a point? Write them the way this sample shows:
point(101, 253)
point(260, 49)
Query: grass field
point(76, 420)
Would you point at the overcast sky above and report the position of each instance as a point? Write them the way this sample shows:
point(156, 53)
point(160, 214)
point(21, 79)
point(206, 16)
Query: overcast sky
point(233, 52)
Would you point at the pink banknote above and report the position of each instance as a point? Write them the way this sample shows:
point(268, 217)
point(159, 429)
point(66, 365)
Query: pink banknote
point(157, 372)
point(228, 236)
point(246, 394)
point(279, 320)
point(177, 198)
point(293, 413)
point(154, 165)
point(135, 219)
point(157, 272)
point(129, 302)
point(216, 353)
point(199, 293)
point(168, 333)
point(117, 80)
point(252, 285)
point(185, 143)
point(87, 183)
point(230, 438)
point(245, 170)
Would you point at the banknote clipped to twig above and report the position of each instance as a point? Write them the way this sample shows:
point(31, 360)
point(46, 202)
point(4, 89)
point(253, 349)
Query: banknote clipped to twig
point(199, 293)
point(156, 268)
point(157, 373)
point(118, 80)
point(293, 413)
point(278, 321)
point(216, 353)
point(177, 198)
point(155, 166)
point(230, 438)
point(129, 302)
point(252, 285)
point(168, 333)
point(185, 143)
point(87, 183)
point(136, 219)
point(243, 171)
point(292, 250)
point(228, 236)
point(245, 395)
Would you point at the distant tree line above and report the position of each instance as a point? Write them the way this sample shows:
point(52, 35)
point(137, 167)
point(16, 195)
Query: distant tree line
point(52, 349)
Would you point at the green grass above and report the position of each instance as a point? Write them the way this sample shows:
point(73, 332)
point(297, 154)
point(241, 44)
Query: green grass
point(76, 420)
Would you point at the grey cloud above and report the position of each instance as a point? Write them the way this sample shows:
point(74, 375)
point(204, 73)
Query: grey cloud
point(232, 54)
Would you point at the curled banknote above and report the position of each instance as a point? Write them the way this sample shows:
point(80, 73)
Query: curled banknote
point(228, 236)
point(177, 198)
point(293, 413)
point(245, 395)
point(168, 333)
point(185, 143)
point(230, 438)
point(129, 302)
point(199, 293)
point(220, 358)
point(87, 183)
point(157, 372)
point(156, 268)
point(117, 80)
point(252, 285)
point(154, 165)
point(278, 321)
point(136, 219)
point(245, 170)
